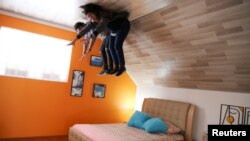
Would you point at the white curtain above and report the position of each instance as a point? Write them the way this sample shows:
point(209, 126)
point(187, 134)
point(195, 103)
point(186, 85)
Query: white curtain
point(30, 55)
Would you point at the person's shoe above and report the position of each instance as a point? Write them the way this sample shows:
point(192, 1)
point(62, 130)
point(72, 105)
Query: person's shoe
point(103, 72)
point(120, 71)
point(112, 71)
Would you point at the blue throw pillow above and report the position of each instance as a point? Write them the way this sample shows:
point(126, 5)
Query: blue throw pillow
point(137, 119)
point(155, 125)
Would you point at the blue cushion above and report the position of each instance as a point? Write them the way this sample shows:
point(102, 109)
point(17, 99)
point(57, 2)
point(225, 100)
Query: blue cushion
point(137, 119)
point(155, 125)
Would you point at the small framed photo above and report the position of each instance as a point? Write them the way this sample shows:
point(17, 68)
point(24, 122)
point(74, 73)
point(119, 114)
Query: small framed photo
point(99, 90)
point(96, 61)
point(77, 83)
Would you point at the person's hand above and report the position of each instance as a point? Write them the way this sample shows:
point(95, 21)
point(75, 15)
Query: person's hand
point(84, 54)
point(88, 50)
point(82, 57)
point(72, 42)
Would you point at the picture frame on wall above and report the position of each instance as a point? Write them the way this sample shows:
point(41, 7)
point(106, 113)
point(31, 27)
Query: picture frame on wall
point(99, 90)
point(77, 83)
point(96, 61)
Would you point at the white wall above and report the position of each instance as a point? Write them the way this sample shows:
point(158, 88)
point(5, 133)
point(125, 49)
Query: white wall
point(208, 103)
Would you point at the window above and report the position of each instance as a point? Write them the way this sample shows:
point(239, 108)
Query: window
point(30, 55)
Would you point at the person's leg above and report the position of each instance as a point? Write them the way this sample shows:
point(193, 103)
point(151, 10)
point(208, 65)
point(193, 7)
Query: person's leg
point(104, 57)
point(113, 53)
point(109, 57)
point(119, 39)
point(112, 69)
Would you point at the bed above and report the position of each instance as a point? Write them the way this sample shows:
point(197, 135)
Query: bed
point(178, 113)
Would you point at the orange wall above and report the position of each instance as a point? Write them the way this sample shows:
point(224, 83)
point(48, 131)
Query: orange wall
point(42, 108)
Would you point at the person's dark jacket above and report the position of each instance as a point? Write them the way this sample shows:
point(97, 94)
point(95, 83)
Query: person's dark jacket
point(110, 20)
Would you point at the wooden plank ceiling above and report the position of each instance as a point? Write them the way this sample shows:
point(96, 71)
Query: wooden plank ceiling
point(137, 8)
point(197, 44)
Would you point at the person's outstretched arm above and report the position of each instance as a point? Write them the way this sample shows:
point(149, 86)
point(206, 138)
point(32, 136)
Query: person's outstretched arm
point(84, 31)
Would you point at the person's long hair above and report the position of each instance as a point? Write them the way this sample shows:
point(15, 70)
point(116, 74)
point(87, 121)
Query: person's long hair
point(99, 10)
point(92, 8)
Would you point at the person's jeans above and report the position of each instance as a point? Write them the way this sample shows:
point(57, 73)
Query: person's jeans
point(116, 43)
point(105, 54)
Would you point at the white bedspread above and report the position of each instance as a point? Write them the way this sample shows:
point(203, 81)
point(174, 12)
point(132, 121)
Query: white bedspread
point(116, 132)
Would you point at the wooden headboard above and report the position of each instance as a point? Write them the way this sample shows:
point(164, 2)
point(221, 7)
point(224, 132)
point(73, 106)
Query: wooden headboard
point(179, 113)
